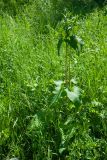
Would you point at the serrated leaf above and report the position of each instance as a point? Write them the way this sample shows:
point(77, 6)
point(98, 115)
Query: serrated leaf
point(74, 95)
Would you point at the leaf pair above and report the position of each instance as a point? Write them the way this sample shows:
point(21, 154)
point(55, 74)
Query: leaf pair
point(73, 41)
point(73, 95)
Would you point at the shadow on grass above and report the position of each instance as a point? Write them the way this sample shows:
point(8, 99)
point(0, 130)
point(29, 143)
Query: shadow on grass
point(76, 7)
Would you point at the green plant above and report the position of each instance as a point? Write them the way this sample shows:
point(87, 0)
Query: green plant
point(71, 40)
point(41, 118)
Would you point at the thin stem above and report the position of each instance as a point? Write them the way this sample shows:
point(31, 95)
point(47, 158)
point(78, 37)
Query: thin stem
point(69, 71)
point(66, 65)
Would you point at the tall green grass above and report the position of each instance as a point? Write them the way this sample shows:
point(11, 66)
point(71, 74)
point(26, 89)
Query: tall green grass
point(34, 122)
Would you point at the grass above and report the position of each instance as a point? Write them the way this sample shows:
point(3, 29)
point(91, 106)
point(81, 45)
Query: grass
point(35, 122)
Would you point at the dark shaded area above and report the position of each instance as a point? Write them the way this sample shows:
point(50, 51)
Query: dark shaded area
point(76, 7)
point(100, 2)
point(80, 7)
point(12, 7)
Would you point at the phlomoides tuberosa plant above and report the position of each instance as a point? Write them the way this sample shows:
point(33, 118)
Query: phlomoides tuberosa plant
point(71, 41)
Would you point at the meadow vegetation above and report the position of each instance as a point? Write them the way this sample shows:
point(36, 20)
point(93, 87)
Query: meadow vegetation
point(53, 80)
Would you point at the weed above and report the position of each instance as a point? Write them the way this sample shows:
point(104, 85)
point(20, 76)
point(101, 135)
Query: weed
point(53, 107)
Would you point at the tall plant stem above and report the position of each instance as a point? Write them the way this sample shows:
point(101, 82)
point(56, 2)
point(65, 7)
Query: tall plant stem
point(69, 65)
point(66, 65)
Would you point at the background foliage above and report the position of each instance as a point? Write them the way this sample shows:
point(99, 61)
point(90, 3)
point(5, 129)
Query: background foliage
point(41, 115)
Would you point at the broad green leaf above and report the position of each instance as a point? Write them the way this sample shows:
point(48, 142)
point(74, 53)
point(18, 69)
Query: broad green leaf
point(75, 42)
point(74, 95)
point(56, 97)
point(72, 42)
point(61, 150)
point(58, 83)
point(14, 159)
point(79, 40)
point(71, 95)
point(57, 91)
point(58, 86)
point(73, 80)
